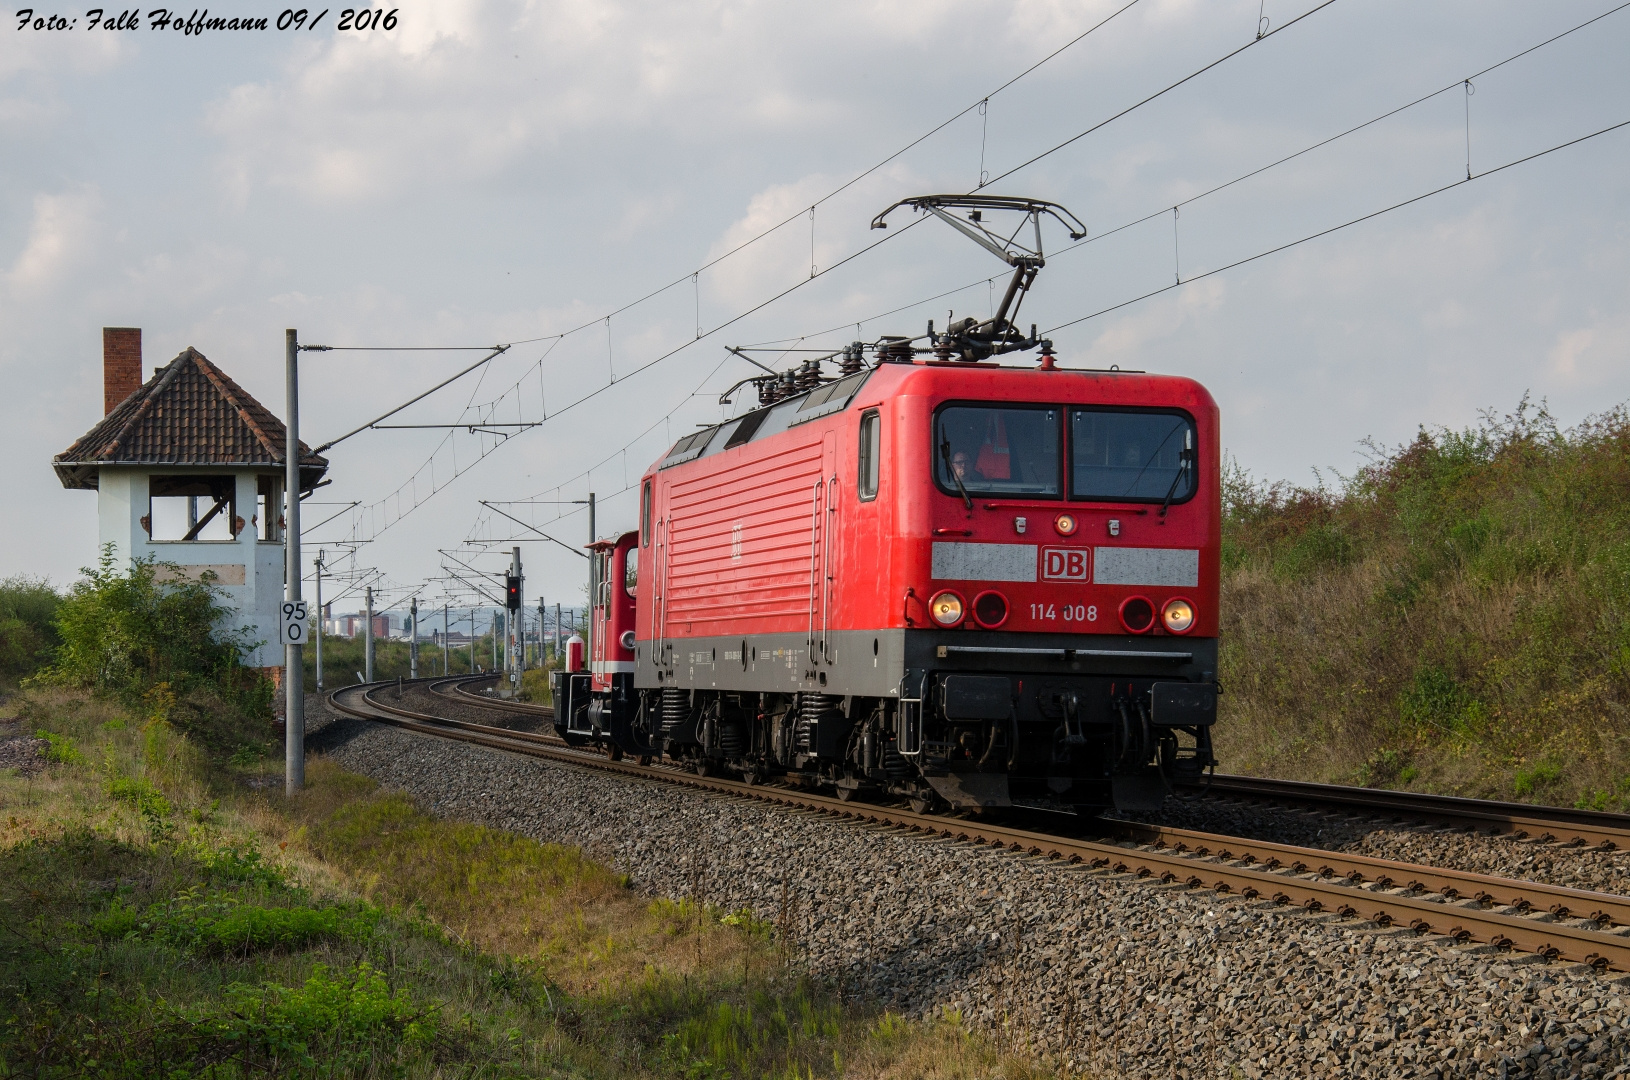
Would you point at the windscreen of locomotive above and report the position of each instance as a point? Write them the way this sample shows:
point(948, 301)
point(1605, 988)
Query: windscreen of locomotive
point(1131, 455)
point(999, 450)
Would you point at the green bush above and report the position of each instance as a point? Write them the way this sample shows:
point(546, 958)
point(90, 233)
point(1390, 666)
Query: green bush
point(125, 631)
point(28, 634)
point(162, 647)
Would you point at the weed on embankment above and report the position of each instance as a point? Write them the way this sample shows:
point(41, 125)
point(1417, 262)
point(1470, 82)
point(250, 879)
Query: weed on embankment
point(168, 913)
point(1452, 617)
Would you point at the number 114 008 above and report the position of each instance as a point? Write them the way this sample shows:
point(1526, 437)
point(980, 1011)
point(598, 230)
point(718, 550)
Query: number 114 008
point(1065, 612)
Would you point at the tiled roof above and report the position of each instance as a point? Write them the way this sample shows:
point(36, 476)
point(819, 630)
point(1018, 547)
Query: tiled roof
point(188, 413)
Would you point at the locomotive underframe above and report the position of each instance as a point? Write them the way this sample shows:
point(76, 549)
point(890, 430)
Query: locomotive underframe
point(968, 719)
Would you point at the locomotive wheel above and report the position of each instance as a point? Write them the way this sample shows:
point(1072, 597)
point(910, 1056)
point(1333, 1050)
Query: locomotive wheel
point(614, 752)
point(749, 778)
point(845, 794)
point(704, 767)
point(921, 805)
point(645, 759)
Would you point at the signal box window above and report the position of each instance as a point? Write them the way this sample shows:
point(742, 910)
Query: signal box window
point(268, 508)
point(871, 447)
point(191, 508)
point(1141, 456)
point(997, 450)
point(645, 514)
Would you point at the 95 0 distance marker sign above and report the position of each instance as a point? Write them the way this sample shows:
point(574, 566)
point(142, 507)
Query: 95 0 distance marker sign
point(294, 624)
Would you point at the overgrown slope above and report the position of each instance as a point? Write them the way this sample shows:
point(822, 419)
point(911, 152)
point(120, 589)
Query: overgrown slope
point(1452, 617)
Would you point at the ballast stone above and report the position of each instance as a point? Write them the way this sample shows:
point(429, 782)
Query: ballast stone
point(1108, 973)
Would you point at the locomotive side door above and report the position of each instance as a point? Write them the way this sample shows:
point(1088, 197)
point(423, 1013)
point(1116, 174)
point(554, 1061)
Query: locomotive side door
point(830, 545)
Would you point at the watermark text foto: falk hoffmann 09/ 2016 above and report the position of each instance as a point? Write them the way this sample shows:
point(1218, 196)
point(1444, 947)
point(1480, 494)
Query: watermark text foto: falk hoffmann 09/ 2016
point(201, 20)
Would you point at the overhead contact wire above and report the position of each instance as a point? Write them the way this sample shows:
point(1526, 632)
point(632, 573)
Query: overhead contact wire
point(1162, 92)
point(1346, 224)
point(1253, 173)
point(858, 177)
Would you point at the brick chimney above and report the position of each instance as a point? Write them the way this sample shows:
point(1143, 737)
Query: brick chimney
point(121, 364)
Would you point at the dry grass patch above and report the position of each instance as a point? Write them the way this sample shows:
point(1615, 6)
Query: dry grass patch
point(166, 914)
point(633, 986)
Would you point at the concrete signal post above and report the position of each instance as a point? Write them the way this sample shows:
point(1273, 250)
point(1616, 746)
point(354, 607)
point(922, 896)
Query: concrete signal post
point(318, 640)
point(413, 641)
point(514, 650)
point(294, 676)
point(368, 637)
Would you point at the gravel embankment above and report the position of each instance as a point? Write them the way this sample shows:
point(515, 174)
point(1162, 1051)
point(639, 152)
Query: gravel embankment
point(1556, 864)
point(25, 753)
point(1125, 977)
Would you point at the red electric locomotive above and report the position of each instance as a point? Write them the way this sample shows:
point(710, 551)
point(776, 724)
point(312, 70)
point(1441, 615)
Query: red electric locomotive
point(940, 577)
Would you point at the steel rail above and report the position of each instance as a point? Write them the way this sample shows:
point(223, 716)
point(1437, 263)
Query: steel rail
point(1559, 900)
point(1455, 921)
point(459, 693)
point(1521, 820)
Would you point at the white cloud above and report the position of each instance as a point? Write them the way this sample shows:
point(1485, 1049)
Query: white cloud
point(1586, 355)
point(1128, 340)
point(62, 234)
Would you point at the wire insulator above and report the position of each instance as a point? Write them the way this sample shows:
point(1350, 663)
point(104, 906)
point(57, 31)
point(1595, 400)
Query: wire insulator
point(809, 375)
point(852, 361)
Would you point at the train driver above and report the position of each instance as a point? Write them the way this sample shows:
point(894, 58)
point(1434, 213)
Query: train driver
point(965, 468)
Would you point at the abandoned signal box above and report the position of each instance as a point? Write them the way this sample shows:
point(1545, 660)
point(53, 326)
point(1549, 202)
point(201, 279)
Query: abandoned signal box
point(189, 469)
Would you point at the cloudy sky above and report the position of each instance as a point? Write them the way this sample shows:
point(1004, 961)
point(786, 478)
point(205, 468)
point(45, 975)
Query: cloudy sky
point(491, 172)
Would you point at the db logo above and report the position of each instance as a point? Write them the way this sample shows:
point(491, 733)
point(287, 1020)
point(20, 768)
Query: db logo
point(1065, 564)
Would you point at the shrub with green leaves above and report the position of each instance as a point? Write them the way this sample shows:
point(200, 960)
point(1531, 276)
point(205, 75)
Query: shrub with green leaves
point(164, 647)
point(28, 634)
point(124, 631)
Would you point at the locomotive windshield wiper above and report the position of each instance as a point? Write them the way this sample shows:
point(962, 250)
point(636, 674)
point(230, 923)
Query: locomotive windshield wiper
point(1185, 458)
point(945, 452)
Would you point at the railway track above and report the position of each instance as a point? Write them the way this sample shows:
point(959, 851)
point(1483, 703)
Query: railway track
point(1552, 921)
point(1520, 820)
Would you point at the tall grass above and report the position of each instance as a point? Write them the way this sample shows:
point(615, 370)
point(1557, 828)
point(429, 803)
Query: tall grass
point(1452, 616)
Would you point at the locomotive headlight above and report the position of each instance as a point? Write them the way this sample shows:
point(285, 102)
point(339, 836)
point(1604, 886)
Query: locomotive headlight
point(946, 608)
point(1178, 616)
point(1066, 524)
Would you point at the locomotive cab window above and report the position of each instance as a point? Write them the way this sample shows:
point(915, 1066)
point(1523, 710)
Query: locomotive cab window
point(997, 450)
point(871, 446)
point(1131, 456)
point(645, 514)
point(602, 573)
point(631, 571)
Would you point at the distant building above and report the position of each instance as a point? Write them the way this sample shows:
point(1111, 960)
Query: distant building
point(188, 468)
point(386, 625)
